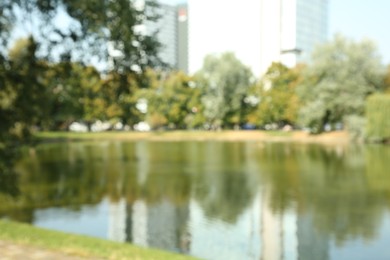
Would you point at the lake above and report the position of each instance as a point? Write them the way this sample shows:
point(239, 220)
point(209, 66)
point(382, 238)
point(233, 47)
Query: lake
point(212, 200)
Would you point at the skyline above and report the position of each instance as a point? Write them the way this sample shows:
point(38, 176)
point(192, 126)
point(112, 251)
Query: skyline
point(258, 32)
point(355, 19)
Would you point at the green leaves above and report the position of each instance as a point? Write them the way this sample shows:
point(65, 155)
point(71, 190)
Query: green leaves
point(224, 82)
point(172, 102)
point(84, 30)
point(279, 103)
point(338, 80)
point(378, 117)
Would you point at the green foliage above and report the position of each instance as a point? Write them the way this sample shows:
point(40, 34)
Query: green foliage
point(172, 101)
point(24, 83)
point(224, 82)
point(338, 80)
point(51, 96)
point(378, 117)
point(21, 82)
point(108, 30)
point(387, 80)
point(65, 93)
point(278, 102)
point(79, 93)
point(355, 125)
point(119, 90)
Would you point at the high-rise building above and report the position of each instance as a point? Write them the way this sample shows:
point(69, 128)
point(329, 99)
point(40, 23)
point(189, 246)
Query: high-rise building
point(166, 28)
point(172, 33)
point(259, 32)
point(182, 38)
point(303, 25)
point(312, 25)
point(217, 26)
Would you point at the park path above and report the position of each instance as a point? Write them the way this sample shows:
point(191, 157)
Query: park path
point(12, 251)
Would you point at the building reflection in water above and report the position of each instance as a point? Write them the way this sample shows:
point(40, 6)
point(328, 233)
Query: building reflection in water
point(161, 225)
point(179, 229)
point(290, 235)
point(221, 201)
point(259, 232)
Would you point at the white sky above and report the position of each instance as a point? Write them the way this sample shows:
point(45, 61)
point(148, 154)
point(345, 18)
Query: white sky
point(356, 19)
point(218, 38)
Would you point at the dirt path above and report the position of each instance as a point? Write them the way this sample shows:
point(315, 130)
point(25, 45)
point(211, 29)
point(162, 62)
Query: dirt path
point(11, 251)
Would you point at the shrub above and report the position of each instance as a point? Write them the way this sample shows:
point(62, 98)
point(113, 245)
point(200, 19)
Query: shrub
point(356, 127)
point(378, 118)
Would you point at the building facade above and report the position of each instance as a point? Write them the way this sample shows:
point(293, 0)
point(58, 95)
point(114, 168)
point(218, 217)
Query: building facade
point(312, 25)
point(259, 32)
point(182, 38)
point(172, 33)
point(166, 29)
point(217, 26)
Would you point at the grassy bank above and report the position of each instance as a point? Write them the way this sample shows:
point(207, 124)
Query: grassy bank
point(264, 136)
point(77, 245)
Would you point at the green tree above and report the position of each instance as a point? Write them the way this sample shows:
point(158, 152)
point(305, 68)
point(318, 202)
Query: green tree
point(338, 80)
point(387, 80)
point(120, 91)
point(378, 118)
point(92, 99)
point(25, 83)
point(173, 102)
point(278, 102)
point(109, 30)
point(63, 105)
point(224, 81)
point(100, 30)
point(20, 99)
point(21, 88)
point(74, 93)
point(79, 93)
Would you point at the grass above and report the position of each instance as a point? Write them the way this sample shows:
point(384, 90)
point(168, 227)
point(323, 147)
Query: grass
point(77, 245)
point(279, 133)
point(161, 135)
point(340, 137)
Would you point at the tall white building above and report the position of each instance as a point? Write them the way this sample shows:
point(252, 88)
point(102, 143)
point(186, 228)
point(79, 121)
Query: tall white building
point(217, 26)
point(259, 32)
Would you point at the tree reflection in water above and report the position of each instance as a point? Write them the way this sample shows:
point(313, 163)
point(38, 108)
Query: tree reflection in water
point(322, 193)
point(346, 189)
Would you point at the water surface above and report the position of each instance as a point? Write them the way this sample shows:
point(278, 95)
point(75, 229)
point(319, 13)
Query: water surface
point(213, 200)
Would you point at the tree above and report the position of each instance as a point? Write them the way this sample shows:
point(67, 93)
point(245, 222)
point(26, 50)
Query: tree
point(172, 101)
point(20, 98)
point(378, 118)
point(224, 81)
point(337, 81)
point(108, 30)
point(278, 102)
point(21, 88)
point(387, 80)
point(64, 94)
point(25, 82)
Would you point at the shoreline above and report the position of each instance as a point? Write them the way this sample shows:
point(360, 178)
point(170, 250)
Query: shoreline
point(336, 137)
point(24, 241)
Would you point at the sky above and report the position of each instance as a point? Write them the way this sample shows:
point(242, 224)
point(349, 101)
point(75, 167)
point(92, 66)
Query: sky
point(356, 19)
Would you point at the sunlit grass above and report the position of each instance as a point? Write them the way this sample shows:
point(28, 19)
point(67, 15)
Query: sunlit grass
point(279, 133)
point(153, 135)
point(77, 245)
point(188, 135)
